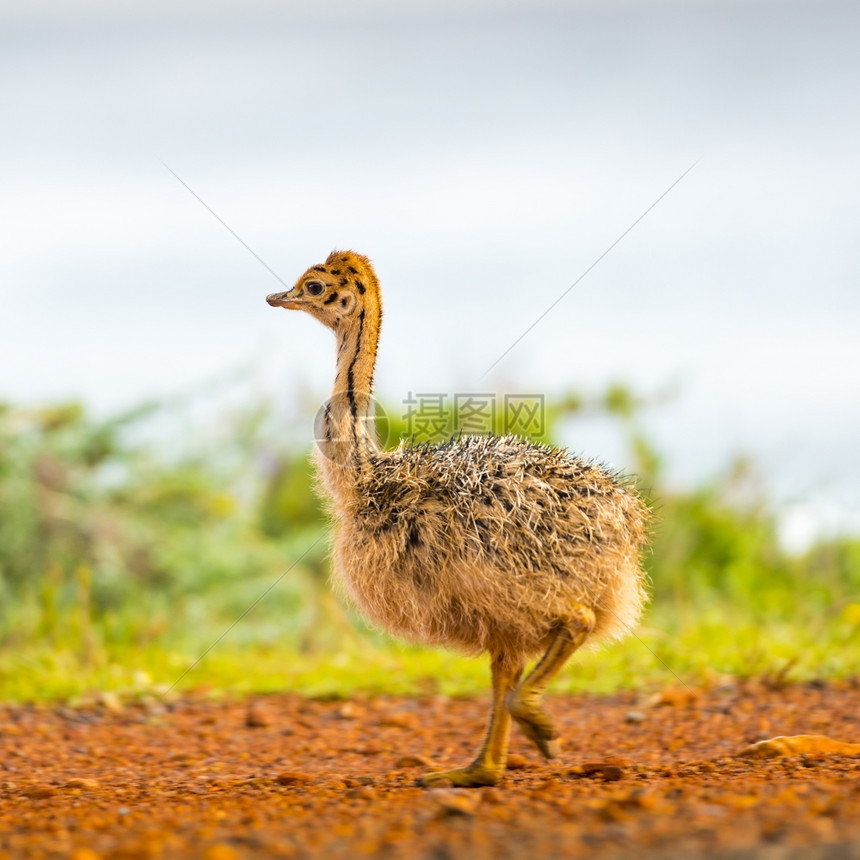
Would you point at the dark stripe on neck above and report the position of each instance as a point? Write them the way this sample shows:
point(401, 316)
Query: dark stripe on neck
point(327, 422)
point(350, 380)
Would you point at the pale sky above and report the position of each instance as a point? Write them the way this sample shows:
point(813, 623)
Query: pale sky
point(484, 160)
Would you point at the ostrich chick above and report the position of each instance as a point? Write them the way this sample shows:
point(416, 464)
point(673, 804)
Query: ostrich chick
point(483, 544)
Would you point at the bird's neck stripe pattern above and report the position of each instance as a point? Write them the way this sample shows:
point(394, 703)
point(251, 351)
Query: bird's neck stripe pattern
point(350, 377)
point(347, 421)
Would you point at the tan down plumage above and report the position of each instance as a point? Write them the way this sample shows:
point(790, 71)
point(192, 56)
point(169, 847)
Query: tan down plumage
point(489, 543)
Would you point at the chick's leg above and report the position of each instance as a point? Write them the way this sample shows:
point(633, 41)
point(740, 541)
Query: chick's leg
point(524, 701)
point(489, 766)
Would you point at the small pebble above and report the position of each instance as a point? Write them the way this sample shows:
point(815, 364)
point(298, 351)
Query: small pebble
point(361, 793)
point(81, 782)
point(350, 711)
point(675, 697)
point(293, 777)
point(400, 720)
point(492, 796)
point(602, 769)
point(452, 801)
point(256, 717)
point(38, 792)
point(413, 761)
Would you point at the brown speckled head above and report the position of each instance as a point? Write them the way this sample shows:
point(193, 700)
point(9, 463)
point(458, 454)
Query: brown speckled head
point(335, 292)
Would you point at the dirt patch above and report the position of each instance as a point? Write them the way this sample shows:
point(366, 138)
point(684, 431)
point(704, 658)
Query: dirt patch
point(282, 776)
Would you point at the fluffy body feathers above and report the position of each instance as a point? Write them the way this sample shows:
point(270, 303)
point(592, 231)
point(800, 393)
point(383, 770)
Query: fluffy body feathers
point(484, 543)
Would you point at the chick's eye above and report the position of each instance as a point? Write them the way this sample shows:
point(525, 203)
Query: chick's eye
point(314, 288)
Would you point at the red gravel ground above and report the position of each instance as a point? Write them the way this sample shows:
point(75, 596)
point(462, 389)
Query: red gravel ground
point(283, 776)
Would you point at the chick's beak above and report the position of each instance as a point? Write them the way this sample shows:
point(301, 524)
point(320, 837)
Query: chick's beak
point(283, 300)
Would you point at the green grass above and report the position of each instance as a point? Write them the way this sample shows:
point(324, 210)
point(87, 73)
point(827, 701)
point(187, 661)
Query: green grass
point(121, 567)
point(702, 651)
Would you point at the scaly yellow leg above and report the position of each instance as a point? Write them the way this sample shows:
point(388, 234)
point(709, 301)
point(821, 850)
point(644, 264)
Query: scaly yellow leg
point(524, 701)
point(489, 767)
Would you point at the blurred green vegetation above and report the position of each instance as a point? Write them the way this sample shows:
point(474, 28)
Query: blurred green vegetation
point(122, 565)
